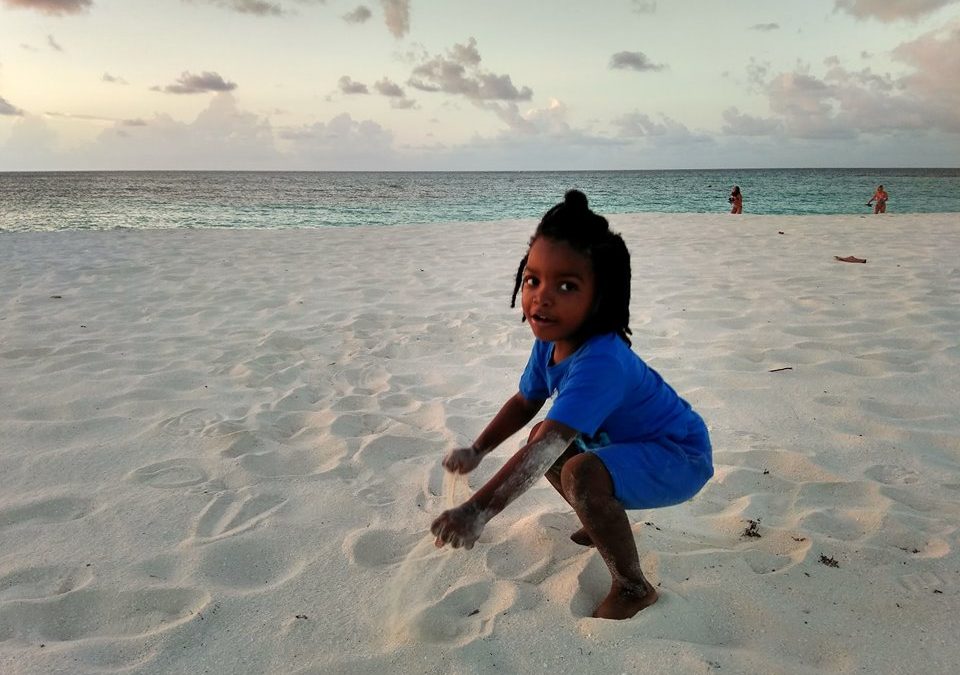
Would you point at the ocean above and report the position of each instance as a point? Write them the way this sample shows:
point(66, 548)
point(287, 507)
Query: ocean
point(173, 199)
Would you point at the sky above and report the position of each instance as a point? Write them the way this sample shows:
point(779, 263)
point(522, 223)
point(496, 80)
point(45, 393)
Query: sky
point(447, 85)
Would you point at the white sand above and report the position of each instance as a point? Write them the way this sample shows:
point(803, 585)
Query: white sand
point(218, 450)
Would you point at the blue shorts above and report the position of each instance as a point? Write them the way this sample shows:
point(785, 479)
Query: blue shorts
point(656, 473)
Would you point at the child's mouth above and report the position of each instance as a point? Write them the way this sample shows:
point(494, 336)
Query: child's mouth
point(539, 318)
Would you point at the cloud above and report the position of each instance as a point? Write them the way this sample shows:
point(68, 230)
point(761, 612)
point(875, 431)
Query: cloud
point(843, 103)
point(637, 124)
point(549, 121)
point(388, 88)
point(935, 59)
point(397, 15)
point(459, 73)
point(340, 144)
point(7, 108)
point(393, 91)
point(738, 124)
point(633, 61)
point(348, 86)
point(359, 15)
point(198, 84)
point(53, 44)
point(113, 79)
point(765, 27)
point(644, 6)
point(32, 142)
point(52, 6)
point(258, 7)
point(890, 10)
point(255, 7)
point(221, 137)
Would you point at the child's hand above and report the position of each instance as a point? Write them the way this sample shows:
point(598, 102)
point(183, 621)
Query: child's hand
point(460, 526)
point(462, 460)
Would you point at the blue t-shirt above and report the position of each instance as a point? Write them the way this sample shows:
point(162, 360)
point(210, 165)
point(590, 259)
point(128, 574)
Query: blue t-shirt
point(605, 387)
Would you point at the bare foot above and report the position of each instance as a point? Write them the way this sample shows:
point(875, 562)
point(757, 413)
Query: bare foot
point(623, 602)
point(581, 537)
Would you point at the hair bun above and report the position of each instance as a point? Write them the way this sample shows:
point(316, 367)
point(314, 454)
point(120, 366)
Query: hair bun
point(575, 199)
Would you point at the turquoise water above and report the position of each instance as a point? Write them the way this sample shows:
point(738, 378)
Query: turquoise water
point(149, 200)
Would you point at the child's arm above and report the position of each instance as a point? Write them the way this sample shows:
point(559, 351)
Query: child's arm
point(515, 414)
point(461, 526)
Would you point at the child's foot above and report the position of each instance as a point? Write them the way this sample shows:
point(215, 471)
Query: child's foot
point(581, 537)
point(623, 602)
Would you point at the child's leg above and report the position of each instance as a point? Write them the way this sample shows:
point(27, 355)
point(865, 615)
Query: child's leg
point(553, 477)
point(588, 487)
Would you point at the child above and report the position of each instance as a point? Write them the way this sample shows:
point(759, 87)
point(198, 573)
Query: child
point(881, 197)
point(736, 200)
point(616, 437)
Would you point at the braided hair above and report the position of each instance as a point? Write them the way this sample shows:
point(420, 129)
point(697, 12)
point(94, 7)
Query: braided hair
point(588, 233)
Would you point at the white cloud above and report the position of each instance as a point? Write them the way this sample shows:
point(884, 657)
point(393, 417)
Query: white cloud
point(31, 146)
point(890, 10)
point(340, 144)
point(739, 124)
point(843, 103)
point(221, 137)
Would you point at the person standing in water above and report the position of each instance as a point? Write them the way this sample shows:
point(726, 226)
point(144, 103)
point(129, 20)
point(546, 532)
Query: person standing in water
point(880, 197)
point(736, 200)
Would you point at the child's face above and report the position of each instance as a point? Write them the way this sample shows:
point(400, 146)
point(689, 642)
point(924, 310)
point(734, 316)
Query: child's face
point(558, 289)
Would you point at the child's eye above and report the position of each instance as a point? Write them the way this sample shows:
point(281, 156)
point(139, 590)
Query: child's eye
point(532, 282)
point(568, 287)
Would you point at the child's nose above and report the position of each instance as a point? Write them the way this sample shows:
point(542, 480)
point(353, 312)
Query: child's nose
point(544, 295)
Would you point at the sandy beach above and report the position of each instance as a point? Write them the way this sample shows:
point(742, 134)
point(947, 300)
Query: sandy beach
point(220, 452)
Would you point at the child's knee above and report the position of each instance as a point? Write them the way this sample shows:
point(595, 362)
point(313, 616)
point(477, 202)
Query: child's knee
point(585, 475)
point(533, 432)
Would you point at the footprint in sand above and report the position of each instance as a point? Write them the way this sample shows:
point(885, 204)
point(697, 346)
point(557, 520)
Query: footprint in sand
point(534, 548)
point(56, 510)
point(35, 583)
point(229, 514)
point(462, 615)
point(376, 496)
point(430, 601)
point(379, 548)
point(892, 474)
point(280, 463)
point(926, 581)
point(189, 423)
point(92, 613)
point(268, 563)
point(169, 474)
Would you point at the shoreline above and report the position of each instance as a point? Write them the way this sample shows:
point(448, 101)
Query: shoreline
point(220, 449)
